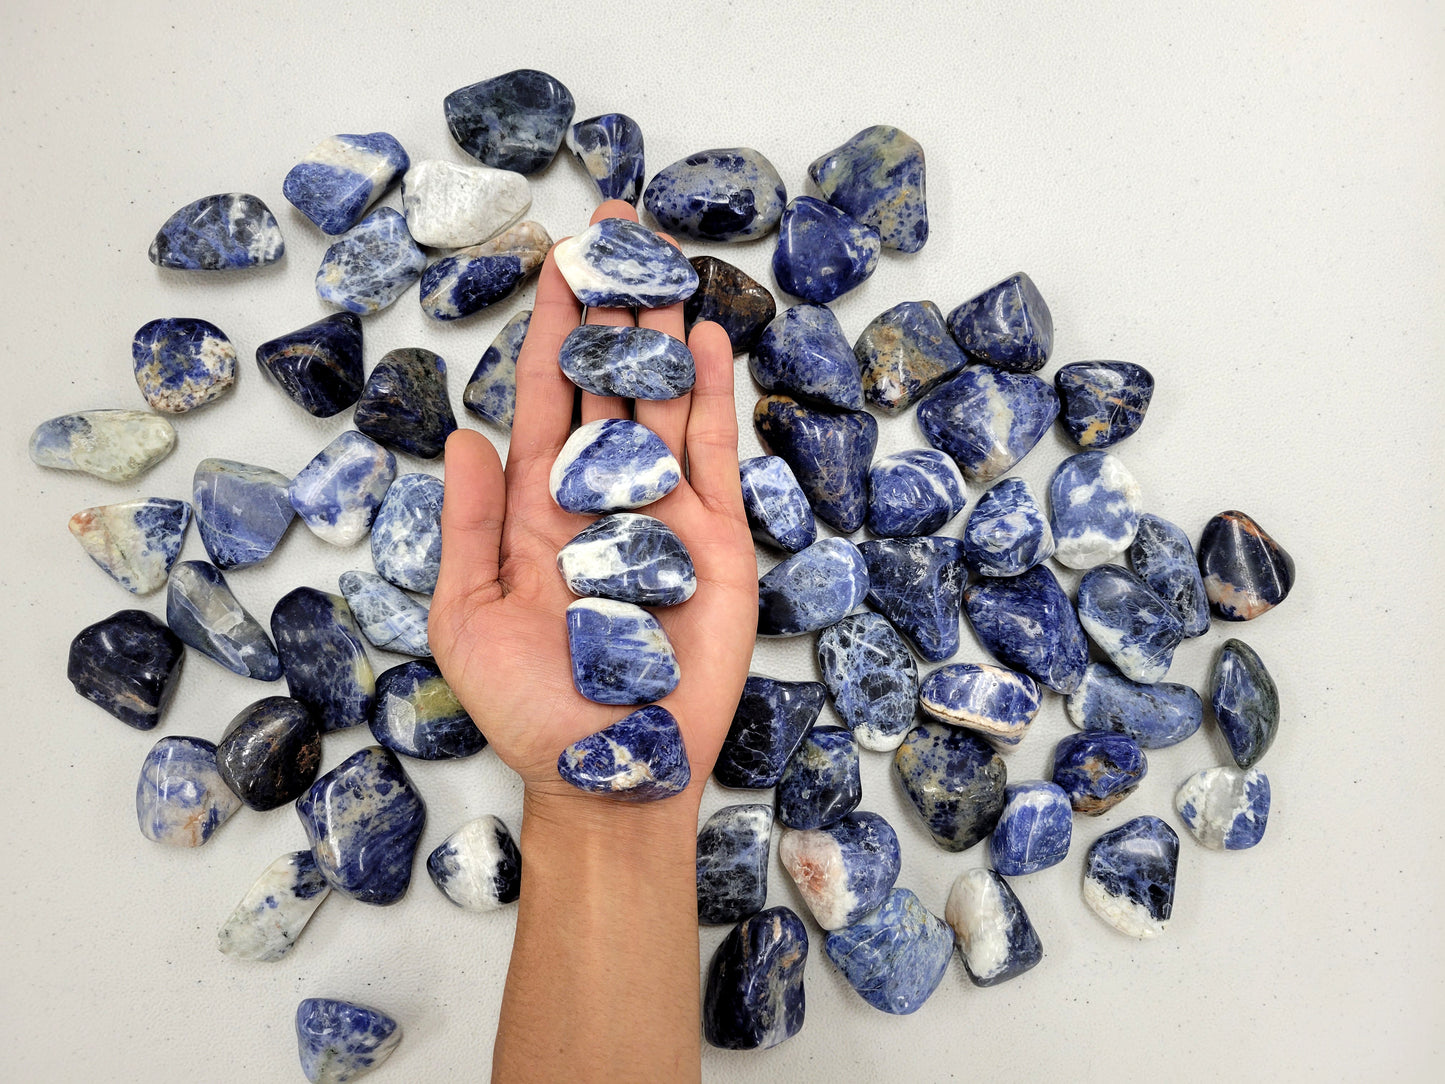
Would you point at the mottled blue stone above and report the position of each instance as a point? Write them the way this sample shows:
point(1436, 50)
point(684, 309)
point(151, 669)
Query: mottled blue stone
point(1103, 401)
point(1164, 559)
point(616, 263)
point(1127, 620)
point(620, 655)
point(388, 617)
point(995, 937)
point(611, 151)
point(339, 1041)
point(732, 299)
point(988, 419)
point(812, 589)
point(1155, 716)
point(404, 404)
point(1245, 701)
point(129, 664)
point(1246, 572)
point(1029, 624)
point(821, 782)
point(242, 511)
point(873, 679)
point(955, 781)
point(777, 508)
point(1007, 532)
point(845, 870)
point(878, 178)
point(116, 445)
point(633, 362)
point(342, 175)
point(917, 583)
point(612, 465)
point(180, 798)
point(1034, 830)
point(913, 493)
point(182, 363)
point(406, 537)
point(1098, 769)
point(513, 121)
point(904, 353)
point(136, 543)
point(804, 353)
point(1008, 325)
point(732, 863)
point(895, 958)
point(729, 194)
point(639, 758)
point(630, 558)
point(771, 718)
point(203, 612)
point(491, 393)
point(998, 703)
point(822, 253)
point(829, 455)
point(319, 365)
point(338, 492)
point(1225, 808)
point(417, 715)
point(1094, 506)
point(478, 867)
point(1129, 876)
point(226, 232)
point(370, 265)
point(753, 998)
point(323, 657)
point(479, 276)
point(270, 752)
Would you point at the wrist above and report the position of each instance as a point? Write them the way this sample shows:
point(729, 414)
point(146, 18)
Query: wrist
point(571, 826)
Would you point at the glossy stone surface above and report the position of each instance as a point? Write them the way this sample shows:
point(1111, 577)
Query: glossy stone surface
point(616, 263)
point(114, 445)
point(270, 752)
point(913, 493)
point(338, 492)
point(226, 232)
point(370, 265)
point(1245, 701)
point(610, 148)
point(732, 863)
point(777, 508)
point(511, 121)
point(1129, 876)
point(639, 758)
point(340, 1041)
point(872, 677)
point(1156, 716)
point(478, 867)
point(273, 912)
point(804, 353)
point(491, 393)
point(475, 278)
point(406, 538)
point(995, 937)
point(845, 870)
point(1165, 561)
point(417, 715)
point(812, 589)
point(242, 511)
point(771, 718)
point(128, 664)
point(955, 780)
point(987, 419)
point(319, 365)
point(997, 703)
point(620, 655)
point(1007, 532)
point(630, 558)
point(896, 957)
point(1008, 325)
point(822, 253)
point(821, 782)
point(135, 543)
point(917, 583)
point(1033, 830)
point(180, 799)
point(1225, 808)
point(753, 998)
point(203, 612)
point(1103, 401)
point(1098, 770)
point(829, 455)
point(452, 206)
point(1094, 506)
point(182, 363)
point(904, 353)
point(405, 405)
point(612, 465)
point(633, 362)
point(388, 617)
point(878, 178)
point(1127, 620)
point(342, 176)
point(1246, 572)
point(323, 657)
point(1029, 624)
point(728, 194)
point(731, 298)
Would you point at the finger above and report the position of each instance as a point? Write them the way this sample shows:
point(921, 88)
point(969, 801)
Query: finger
point(608, 406)
point(666, 417)
point(474, 507)
point(543, 416)
point(712, 426)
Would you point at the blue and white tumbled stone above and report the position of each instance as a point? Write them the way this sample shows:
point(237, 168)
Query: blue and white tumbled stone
point(242, 511)
point(181, 799)
point(273, 912)
point(895, 957)
point(317, 366)
point(1098, 769)
point(620, 654)
point(1008, 325)
point(134, 542)
point(323, 657)
point(768, 725)
point(340, 1041)
point(612, 465)
point(610, 149)
point(776, 506)
point(995, 937)
point(753, 998)
point(491, 393)
point(997, 703)
point(406, 537)
point(1245, 701)
point(127, 664)
point(872, 678)
point(417, 715)
point(639, 758)
point(1007, 532)
point(342, 176)
point(1103, 401)
point(114, 445)
point(917, 583)
point(845, 870)
point(228, 232)
point(478, 867)
point(513, 121)
point(822, 253)
point(1094, 506)
point(732, 863)
point(988, 419)
point(405, 405)
point(955, 781)
point(182, 363)
point(913, 493)
point(821, 782)
point(1135, 629)
point(829, 454)
point(1029, 624)
point(904, 353)
point(878, 177)
point(616, 262)
point(1034, 830)
point(633, 362)
point(338, 492)
point(804, 353)
point(812, 589)
point(630, 558)
point(1225, 808)
point(1164, 559)
point(1155, 716)
point(370, 265)
point(1129, 876)
point(728, 194)
point(477, 277)
point(388, 617)
point(203, 612)
point(452, 206)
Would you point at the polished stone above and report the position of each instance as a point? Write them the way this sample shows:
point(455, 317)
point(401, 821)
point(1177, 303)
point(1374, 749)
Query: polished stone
point(181, 799)
point(242, 511)
point(639, 758)
point(340, 1041)
point(1155, 716)
point(478, 867)
point(227, 232)
point(319, 365)
point(821, 783)
point(845, 870)
point(895, 957)
point(822, 253)
point(1008, 325)
point(491, 393)
point(829, 455)
point(732, 863)
point(370, 265)
point(129, 664)
point(616, 262)
point(338, 492)
point(995, 937)
point(771, 719)
point(1098, 769)
point(913, 493)
point(872, 678)
point(342, 176)
point(610, 148)
point(406, 538)
point(812, 589)
point(417, 715)
point(612, 465)
point(987, 419)
point(1129, 876)
point(1245, 702)
point(477, 277)
point(273, 912)
point(323, 657)
point(955, 781)
point(776, 506)
point(1007, 532)
point(1164, 559)
point(917, 583)
point(633, 362)
point(620, 654)
point(904, 353)
point(1033, 830)
point(732, 299)
point(1225, 808)
point(1094, 506)
point(997, 703)
point(629, 558)
point(113, 445)
point(182, 363)
point(447, 205)
point(511, 121)
point(1103, 401)
point(1246, 572)
point(270, 752)
point(1129, 622)
point(728, 194)
point(1029, 624)
point(405, 405)
point(204, 613)
point(134, 542)
point(878, 177)
point(388, 617)
point(753, 997)
point(804, 353)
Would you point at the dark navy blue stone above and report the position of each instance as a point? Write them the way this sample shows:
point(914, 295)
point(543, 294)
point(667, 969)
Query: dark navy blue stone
point(1094, 506)
point(904, 353)
point(611, 151)
point(226, 232)
point(1129, 876)
point(732, 299)
point(340, 1040)
point(1008, 325)
point(371, 265)
point(822, 253)
point(319, 365)
point(1103, 401)
point(460, 284)
point(514, 121)
point(203, 612)
point(877, 177)
point(1098, 769)
point(633, 362)
point(821, 782)
point(804, 353)
point(873, 679)
point(340, 177)
point(996, 702)
point(620, 654)
point(776, 506)
point(1129, 622)
point(896, 957)
point(988, 419)
point(732, 863)
point(270, 752)
point(812, 589)
point(388, 617)
point(845, 870)
point(491, 393)
point(129, 664)
point(955, 781)
point(639, 758)
point(753, 998)
point(478, 867)
point(1245, 701)
point(1007, 532)
point(616, 263)
point(913, 493)
point(417, 715)
point(323, 656)
point(771, 718)
point(182, 363)
point(242, 511)
point(406, 536)
point(1164, 559)
point(828, 453)
point(630, 558)
point(1034, 830)
point(917, 583)
point(729, 194)
point(404, 404)
point(1029, 624)
point(1246, 572)
point(1155, 716)
point(995, 937)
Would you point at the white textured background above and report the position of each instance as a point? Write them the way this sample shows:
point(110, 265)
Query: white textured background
point(1245, 197)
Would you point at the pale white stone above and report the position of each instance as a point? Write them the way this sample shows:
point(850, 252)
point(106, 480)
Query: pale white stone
point(814, 860)
point(273, 912)
point(116, 445)
point(979, 917)
point(1217, 798)
point(452, 206)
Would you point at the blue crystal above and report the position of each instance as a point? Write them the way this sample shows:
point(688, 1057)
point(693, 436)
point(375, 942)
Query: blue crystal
point(845, 870)
point(323, 657)
point(338, 492)
point(620, 655)
point(771, 718)
point(633, 362)
point(242, 511)
point(1245, 702)
point(729, 194)
point(829, 455)
point(639, 758)
point(219, 233)
point(203, 612)
point(1226, 808)
point(821, 782)
point(129, 664)
point(904, 353)
point(371, 265)
point(491, 393)
point(988, 419)
point(896, 957)
point(732, 299)
point(388, 617)
point(616, 262)
point(181, 799)
point(873, 679)
point(1094, 507)
point(630, 558)
point(804, 353)
point(1246, 572)
point(776, 507)
point(822, 253)
point(269, 753)
point(998, 703)
point(610, 150)
point(1164, 559)
point(913, 493)
point(136, 542)
point(955, 781)
point(877, 177)
point(753, 999)
point(612, 465)
point(1098, 769)
point(1127, 620)
point(1103, 401)
point(1129, 876)
point(417, 715)
point(917, 583)
point(812, 589)
point(1155, 716)
point(182, 363)
point(340, 1041)
point(1028, 623)
point(1034, 830)
point(404, 404)
point(995, 937)
point(342, 175)
point(474, 278)
point(406, 538)
point(116, 445)
point(514, 121)
point(478, 867)
point(1008, 325)
point(319, 365)
point(1007, 532)
point(732, 863)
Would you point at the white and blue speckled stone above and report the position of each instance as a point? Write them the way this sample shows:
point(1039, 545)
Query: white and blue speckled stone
point(339, 1041)
point(341, 176)
point(406, 537)
point(478, 867)
point(878, 177)
point(388, 617)
point(273, 912)
point(181, 799)
point(1225, 808)
point(630, 558)
point(338, 492)
point(226, 232)
point(115, 445)
point(612, 465)
point(135, 542)
point(182, 363)
point(452, 206)
point(616, 262)
point(491, 393)
point(371, 265)
point(1094, 506)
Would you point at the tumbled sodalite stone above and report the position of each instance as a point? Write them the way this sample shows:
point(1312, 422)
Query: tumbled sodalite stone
point(995, 937)
point(804, 353)
point(753, 999)
point(181, 798)
point(242, 511)
point(610, 150)
point(135, 542)
point(323, 657)
point(1007, 532)
point(342, 175)
point(340, 1041)
point(633, 362)
point(845, 870)
point(1136, 630)
point(998, 703)
point(1155, 716)
point(1225, 808)
point(917, 583)
point(203, 612)
point(182, 363)
point(612, 465)
point(1034, 830)
point(270, 752)
point(226, 232)
point(273, 912)
point(1164, 559)
point(895, 957)
point(821, 782)
point(616, 263)
point(319, 365)
point(452, 206)
point(338, 492)
point(955, 780)
point(406, 538)
point(913, 493)
point(1129, 876)
point(732, 299)
point(128, 664)
point(620, 655)
point(491, 393)
point(630, 558)
point(812, 589)
point(771, 718)
point(115, 445)
point(1008, 325)
point(639, 758)
point(1245, 702)
point(388, 617)
point(1103, 401)
point(1029, 624)
point(370, 265)
point(873, 679)
point(474, 278)
point(777, 509)
point(1246, 572)
point(829, 455)
point(904, 353)
point(1098, 770)
point(988, 419)
point(512, 121)
point(1094, 506)
point(732, 863)
point(478, 867)
point(729, 194)
point(417, 715)
point(877, 177)
point(822, 253)
point(404, 404)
